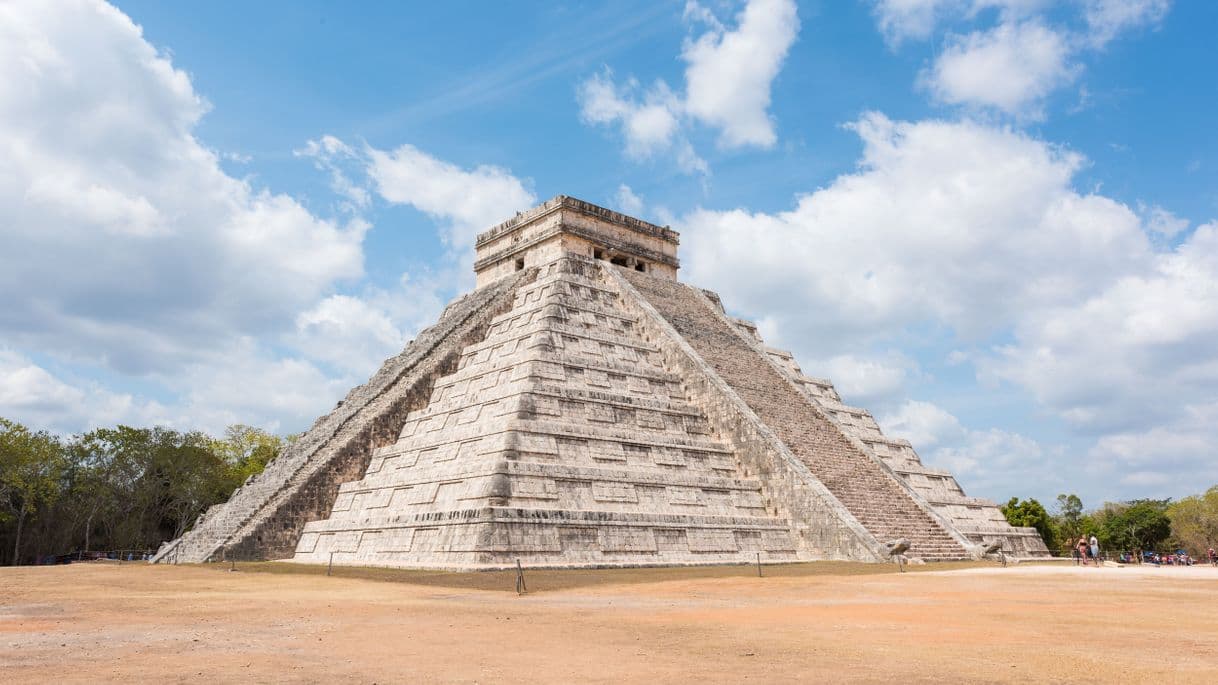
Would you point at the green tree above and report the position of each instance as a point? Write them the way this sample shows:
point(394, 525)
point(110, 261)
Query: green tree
point(1069, 520)
point(247, 450)
point(116, 488)
point(31, 468)
point(1070, 515)
point(1032, 514)
point(1138, 524)
point(158, 481)
point(1194, 522)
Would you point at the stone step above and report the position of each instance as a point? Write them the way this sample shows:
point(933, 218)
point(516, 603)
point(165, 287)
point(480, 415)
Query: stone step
point(324, 442)
point(872, 495)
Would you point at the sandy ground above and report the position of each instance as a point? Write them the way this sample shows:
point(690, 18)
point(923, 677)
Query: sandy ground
point(827, 622)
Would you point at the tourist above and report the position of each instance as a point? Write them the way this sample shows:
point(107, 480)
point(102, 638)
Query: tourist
point(1095, 550)
point(1081, 546)
point(1213, 556)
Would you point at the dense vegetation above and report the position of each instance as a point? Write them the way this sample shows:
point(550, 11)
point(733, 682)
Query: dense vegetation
point(117, 488)
point(1146, 524)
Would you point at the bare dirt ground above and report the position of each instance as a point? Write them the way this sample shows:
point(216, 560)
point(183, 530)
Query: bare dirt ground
point(827, 622)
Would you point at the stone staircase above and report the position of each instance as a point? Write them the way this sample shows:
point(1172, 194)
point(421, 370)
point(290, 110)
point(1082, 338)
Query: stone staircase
point(863, 486)
point(219, 522)
point(263, 517)
point(560, 440)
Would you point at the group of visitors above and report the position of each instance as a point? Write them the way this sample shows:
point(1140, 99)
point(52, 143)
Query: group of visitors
point(1087, 551)
point(1179, 558)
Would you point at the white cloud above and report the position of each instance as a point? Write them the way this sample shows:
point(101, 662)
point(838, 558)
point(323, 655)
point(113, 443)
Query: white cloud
point(79, 200)
point(352, 334)
point(1163, 222)
point(355, 334)
point(1010, 64)
point(627, 201)
point(1132, 356)
point(329, 154)
point(989, 463)
point(993, 461)
point(130, 254)
point(1190, 437)
point(125, 242)
point(924, 424)
point(248, 382)
point(899, 20)
point(868, 381)
point(465, 201)
point(468, 201)
point(32, 394)
point(952, 222)
point(730, 73)
point(649, 125)
point(728, 80)
point(1107, 18)
point(957, 232)
point(245, 382)
point(1151, 461)
point(347, 332)
point(1011, 68)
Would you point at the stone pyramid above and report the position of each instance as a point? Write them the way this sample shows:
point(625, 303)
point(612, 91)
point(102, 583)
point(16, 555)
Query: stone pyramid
point(583, 408)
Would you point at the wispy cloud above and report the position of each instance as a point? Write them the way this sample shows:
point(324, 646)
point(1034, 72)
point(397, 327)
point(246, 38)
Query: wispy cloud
point(530, 60)
point(1011, 60)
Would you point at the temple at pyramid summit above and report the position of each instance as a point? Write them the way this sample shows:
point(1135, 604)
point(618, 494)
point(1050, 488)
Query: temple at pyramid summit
point(583, 407)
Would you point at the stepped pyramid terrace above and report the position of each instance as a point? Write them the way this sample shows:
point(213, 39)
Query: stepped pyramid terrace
point(582, 408)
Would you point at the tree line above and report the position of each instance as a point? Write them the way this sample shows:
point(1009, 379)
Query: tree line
point(1151, 525)
point(120, 488)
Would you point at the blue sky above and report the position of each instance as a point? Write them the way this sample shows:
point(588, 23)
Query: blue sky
point(990, 222)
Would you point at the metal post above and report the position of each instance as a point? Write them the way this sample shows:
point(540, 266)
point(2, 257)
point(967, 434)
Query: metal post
point(759, 564)
point(520, 586)
point(331, 566)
